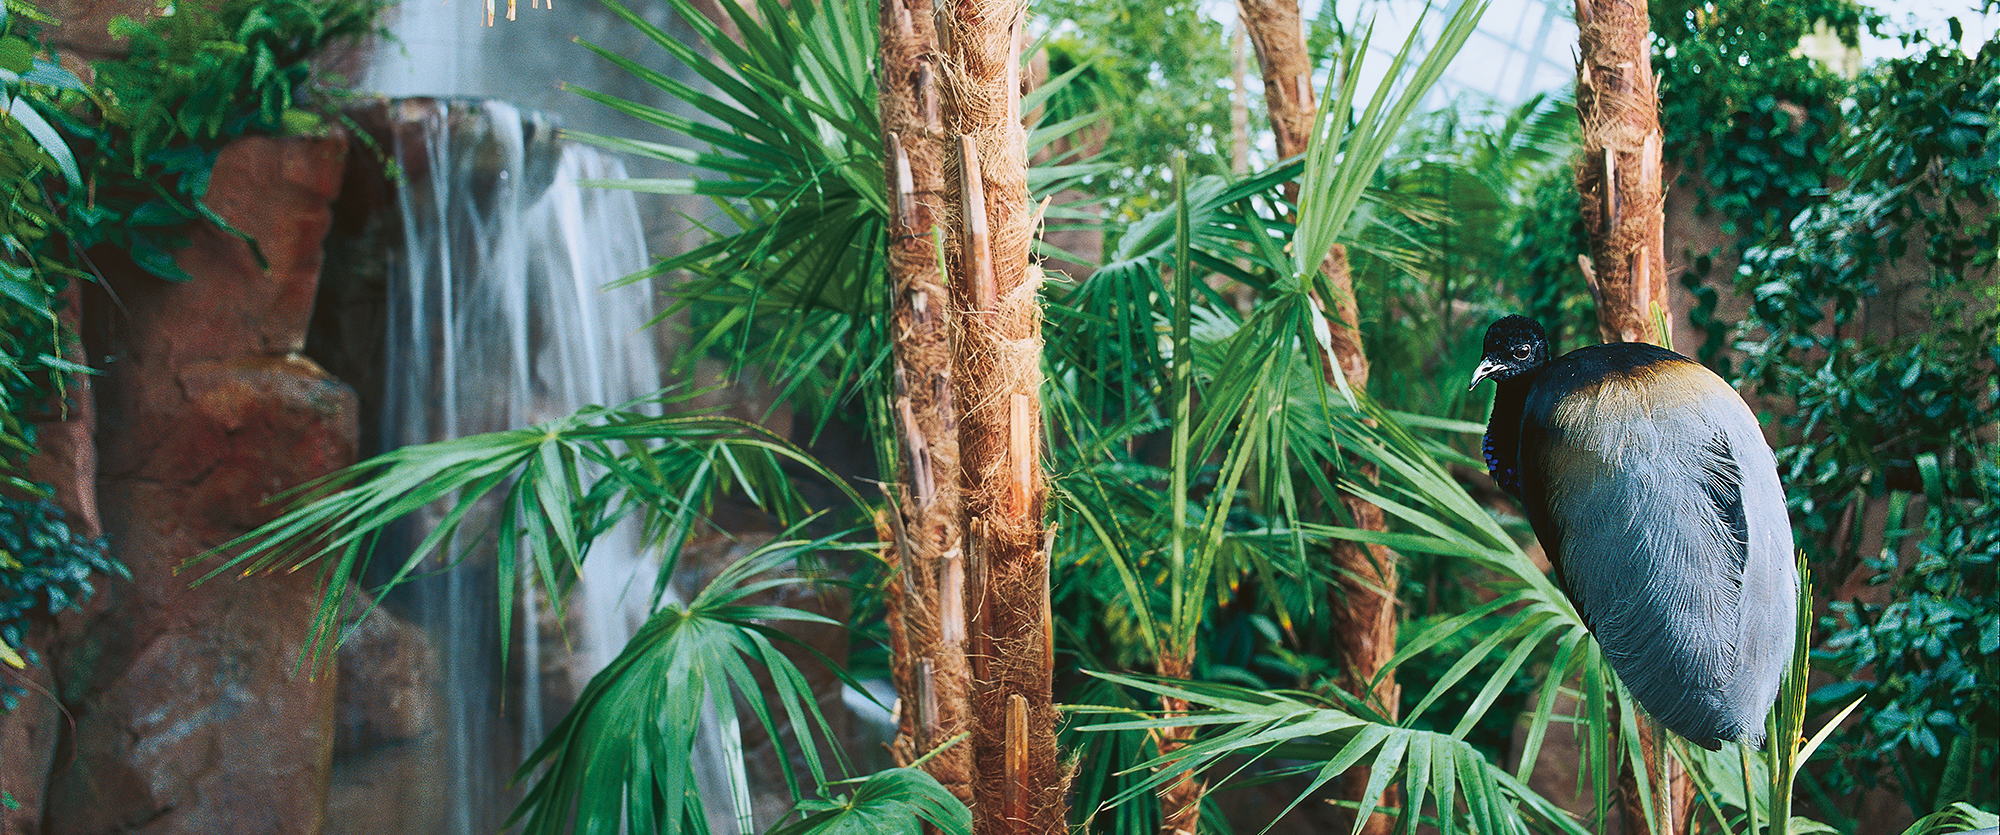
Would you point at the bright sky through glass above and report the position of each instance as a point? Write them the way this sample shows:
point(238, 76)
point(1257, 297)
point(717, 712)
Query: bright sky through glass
point(1524, 47)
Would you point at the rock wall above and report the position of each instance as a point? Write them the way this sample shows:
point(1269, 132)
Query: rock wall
point(190, 711)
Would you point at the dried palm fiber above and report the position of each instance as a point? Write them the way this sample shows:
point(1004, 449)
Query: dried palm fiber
point(1618, 176)
point(1363, 612)
point(1180, 800)
point(927, 602)
point(1021, 781)
point(1618, 186)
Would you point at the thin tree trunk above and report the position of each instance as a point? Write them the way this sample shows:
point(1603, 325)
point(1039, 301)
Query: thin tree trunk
point(1180, 800)
point(1020, 780)
point(1618, 178)
point(1364, 611)
point(927, 602)
point(1619, 187)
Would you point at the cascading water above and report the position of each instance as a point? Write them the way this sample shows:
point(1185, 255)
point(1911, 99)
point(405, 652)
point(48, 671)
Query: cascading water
point(499, 318)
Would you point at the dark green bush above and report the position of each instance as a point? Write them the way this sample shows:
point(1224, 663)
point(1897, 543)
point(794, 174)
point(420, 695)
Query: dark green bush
point(45, 569)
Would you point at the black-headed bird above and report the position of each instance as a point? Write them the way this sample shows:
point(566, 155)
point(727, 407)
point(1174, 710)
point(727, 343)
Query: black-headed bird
point(1657, 498)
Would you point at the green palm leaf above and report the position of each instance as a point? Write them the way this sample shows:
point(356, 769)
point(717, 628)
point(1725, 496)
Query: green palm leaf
point(896, 800)
point(623, 758)
point(535, 496)
point(1324, 742)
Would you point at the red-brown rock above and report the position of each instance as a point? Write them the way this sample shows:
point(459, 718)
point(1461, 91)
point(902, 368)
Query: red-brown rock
point(192, 710)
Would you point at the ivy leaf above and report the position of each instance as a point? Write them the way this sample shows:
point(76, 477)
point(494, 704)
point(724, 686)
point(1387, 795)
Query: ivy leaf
point(151, 258)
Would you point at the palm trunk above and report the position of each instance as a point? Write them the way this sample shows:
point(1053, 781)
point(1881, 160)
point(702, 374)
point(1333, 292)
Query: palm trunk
point(1618, 179)
point(1020, 782)
point(1619, 188)
point(1364, 611)
point(927, 602)
point(1180, 800)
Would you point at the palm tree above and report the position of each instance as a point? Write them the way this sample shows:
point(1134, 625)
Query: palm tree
point(1363, 613)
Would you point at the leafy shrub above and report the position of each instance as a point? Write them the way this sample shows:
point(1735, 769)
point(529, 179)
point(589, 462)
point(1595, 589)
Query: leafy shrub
point(45, 569)
point(195, 79)
point(1880, 415)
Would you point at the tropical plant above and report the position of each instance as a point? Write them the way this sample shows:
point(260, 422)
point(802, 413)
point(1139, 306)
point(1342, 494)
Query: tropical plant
point(1273, 437)
point(196, 76)
point(543, 493)
point(899, 800)
point(1146, 74)
point(622, 759)
point(45, 570)
point(1192, 433)
point(790, 149)
point(36, 165)
point(1892, 415)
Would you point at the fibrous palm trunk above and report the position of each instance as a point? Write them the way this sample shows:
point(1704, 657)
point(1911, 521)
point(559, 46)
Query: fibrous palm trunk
point(1364, 612)
point(1618, 178)
point(969, 533)
point(1020, 783)
point(1622, 199)
point(927, 602)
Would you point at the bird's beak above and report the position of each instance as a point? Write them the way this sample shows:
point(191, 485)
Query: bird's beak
point(1486, 369)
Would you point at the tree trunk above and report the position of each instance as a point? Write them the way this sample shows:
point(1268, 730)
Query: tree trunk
point(927, 603)
point(1180, 800)
point(1364, 611)
point(1275, 29)
point(1619, 188)
point(1618, 178)
point(1020, 782)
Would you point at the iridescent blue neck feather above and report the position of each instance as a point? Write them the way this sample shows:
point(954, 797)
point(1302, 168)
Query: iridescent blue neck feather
point(1503, 432)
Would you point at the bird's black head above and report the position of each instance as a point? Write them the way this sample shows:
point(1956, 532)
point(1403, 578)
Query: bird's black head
point(1515, 345)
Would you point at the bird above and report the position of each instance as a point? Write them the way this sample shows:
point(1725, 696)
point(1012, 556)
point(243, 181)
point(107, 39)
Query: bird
point(1651, 487)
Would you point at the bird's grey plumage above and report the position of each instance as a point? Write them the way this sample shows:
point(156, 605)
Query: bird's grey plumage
point(1658, 500)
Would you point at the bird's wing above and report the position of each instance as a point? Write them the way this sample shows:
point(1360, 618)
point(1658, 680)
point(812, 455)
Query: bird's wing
point(1657, 499)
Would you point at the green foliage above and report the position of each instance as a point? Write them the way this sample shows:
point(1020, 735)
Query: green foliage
point(1437, 260)
point(45, 569)
point(1324, 742)
point(1547, 237)
point(1934, 650)
point(789, 146)
point(1749, 120)
point(1958, 817)
point(621, 760)
point(1154, 77)
point(1879, 318)
point(904, 801)
point(1192, 434)
point(196, 78)
point(558, 485)
point(33, 160)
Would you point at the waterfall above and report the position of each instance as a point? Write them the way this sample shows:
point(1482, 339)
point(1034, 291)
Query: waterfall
point(498, 317)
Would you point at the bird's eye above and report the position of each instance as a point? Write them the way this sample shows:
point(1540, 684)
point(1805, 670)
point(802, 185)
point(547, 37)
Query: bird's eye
point(1521, 352)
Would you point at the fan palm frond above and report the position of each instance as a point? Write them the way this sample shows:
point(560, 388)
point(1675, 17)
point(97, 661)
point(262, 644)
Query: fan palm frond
point(535, 496)
point(623, 759)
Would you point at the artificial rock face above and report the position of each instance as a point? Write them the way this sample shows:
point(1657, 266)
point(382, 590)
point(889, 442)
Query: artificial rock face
point(192, 712)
